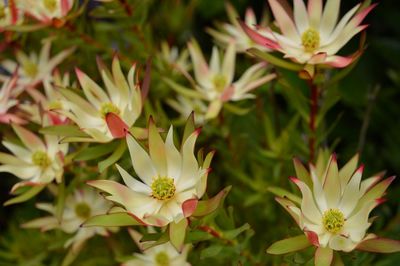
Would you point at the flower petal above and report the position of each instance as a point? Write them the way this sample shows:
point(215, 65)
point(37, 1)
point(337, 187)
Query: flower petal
point(285, 23)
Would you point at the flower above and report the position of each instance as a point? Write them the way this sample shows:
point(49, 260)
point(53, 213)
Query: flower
point(8, 100)
point(50, 101)
point(36, 162)
point(312, 35)
point(164, 254)
point(215, 81)
point(171, 181)
point(336, 204)
point(173, 58)
point(10, 13)
point(105, 115)
point(227, 33)
point(47, 10)
point(81, 205)
point(185, 106)
point(35, 68)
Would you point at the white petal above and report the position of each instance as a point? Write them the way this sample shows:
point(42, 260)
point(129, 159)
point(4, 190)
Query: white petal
point(132, 183)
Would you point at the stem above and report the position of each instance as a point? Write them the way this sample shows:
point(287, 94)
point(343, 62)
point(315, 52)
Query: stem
point(313, 117)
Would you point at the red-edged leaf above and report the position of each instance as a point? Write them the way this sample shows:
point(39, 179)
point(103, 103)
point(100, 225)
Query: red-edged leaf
point(117, 126)
point(189, 206)
point(380, 245)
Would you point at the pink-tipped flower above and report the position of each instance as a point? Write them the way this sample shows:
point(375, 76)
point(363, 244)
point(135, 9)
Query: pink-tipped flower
point(312, 35)
point(335, 207)
point(171, 181)
point(47, 10)
point(32, 69)
point(215, 82)
point(78, 207)
point(36, 162)
point(228, 32)
point(8, 95)
point(105, 115)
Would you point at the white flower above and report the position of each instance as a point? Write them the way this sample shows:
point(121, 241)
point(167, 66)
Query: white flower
point(160, 255)
point(10, 13)
point(8, 94)
point(81, 205)
point(36, 162)
point(215, 81)
point(46, 10)
point(312, 35)
point(105, 115)
point(171, 181)
point(335, 205)
point(33, 68)
point(227, 33)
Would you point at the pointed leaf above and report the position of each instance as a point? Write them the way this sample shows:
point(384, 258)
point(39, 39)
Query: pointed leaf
point(205, 207)
point(302, 173)
point(96, 151)
point(268, 57)
point(25, 196)
point(380, 245)
point(177, 233)
point(111, 220)
point(63, 130)
point(323, 256)
point(289, 245)
point(114, 157)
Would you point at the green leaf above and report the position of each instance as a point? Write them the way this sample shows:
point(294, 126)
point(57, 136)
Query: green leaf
point(190, 127)
point(231, 234)
point(289, 245)
point(283, 193)
point(197, 236)
point(191, 93)
point(177, 233)
point(236, 109)
point(114, 157)
point(380, 245)
point(63, 130)
point(268, 57)
point(95, 151)
point(111, 220)
point(25, 196)
point(205, 207)
point(302, 173)
point(211, 251)
point(323, 256)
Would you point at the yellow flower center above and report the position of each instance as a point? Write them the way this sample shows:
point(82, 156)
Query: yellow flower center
point(82, 210)
point(41, 159)
point(50, 5)
point(109, 108)
point(2, 12)
point(310, 40)
point(163, 188)
point(54, 105)
point(219, 82)
point(333, 220)
point(162, 259)
point(30, 68)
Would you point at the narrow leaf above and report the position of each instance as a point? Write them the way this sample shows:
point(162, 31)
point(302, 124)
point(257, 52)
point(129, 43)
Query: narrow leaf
point(111, 220)
point(380, 245)
point(25, 196)
point(289, 245)
point(114, 157)
point(63, 130)
point(323, 256)
point(268, 57)
point(205, 207)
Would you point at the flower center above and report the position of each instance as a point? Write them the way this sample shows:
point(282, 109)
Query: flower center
point(333, 220)
point(82, 210)
point(40, 158)
point(109, 108)
point(50, 5)
point(162, 259)
point(310, 40)
point(30, 69)
point(2, 12)
point(219, 82)
point(163, 188)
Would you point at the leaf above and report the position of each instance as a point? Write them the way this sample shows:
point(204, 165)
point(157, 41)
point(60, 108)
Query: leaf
point(289, 245)
point(111, 220)
point(25, 196)
point(184, 91)
point(268, 57)
point(95, 151)
point(190, 127)
point(302, 173)
point(236, 109)
point(177, 233)
point(283, 193)
point(205, 207)
point(323, 256)
point(197, 236)
point(380, 245)
point(114, 157)
point(231, 234)
point(211, 251)
point(63, 130)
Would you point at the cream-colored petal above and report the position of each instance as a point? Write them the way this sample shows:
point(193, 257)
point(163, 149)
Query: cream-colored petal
point(132, 183)
point(285, 23)
point(174, 158)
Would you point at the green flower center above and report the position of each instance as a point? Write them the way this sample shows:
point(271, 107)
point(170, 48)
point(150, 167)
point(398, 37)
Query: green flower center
point(310, 40)
point(162, 259)
point(219, 82)
point(50, 5)
point(109, 108)
point(30, 68)
point(163, 188)
point(333, 220)
point(82, 210)
point(40, 158)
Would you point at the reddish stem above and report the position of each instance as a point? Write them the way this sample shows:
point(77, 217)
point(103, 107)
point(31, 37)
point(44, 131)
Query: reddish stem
point(313, 116)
